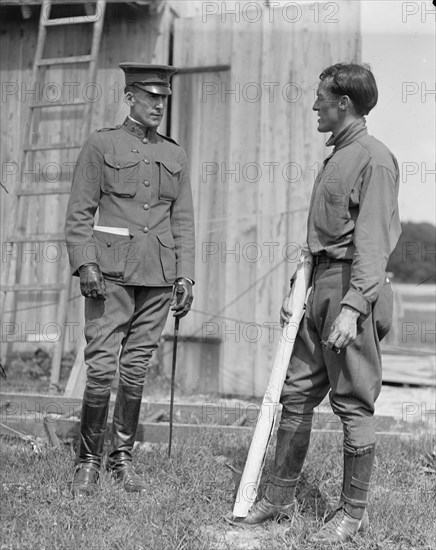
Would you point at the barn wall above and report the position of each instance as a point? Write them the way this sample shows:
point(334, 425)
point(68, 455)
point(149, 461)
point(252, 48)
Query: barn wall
point(131, 33)
point(254, 151)
point(253, 148)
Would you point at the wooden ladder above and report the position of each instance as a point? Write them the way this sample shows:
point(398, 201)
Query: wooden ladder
point(25, 278)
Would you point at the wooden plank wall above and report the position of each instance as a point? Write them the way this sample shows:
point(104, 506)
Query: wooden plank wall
point(252, 142)
point(131, 33)
point(253, 147)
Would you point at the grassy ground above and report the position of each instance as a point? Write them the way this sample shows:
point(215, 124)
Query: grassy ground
point(189, 494)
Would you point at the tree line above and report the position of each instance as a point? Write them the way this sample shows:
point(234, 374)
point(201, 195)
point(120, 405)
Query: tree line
point(414, 257)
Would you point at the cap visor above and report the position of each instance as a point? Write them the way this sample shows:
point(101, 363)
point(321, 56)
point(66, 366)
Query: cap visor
point(154, 88)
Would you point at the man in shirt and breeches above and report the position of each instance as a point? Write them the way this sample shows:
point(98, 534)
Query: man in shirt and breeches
point(353, 226)
point(134, 264)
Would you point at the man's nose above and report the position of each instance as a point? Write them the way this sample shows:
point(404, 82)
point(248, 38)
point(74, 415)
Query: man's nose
point(160, 101)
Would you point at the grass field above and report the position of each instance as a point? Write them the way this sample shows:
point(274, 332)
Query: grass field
point(189, 494)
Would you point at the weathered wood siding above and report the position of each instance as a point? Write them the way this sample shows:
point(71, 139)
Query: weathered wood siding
point(254, 150)
point(130, 33)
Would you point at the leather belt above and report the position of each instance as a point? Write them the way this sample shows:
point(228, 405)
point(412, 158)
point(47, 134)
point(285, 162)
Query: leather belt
point(324, 259)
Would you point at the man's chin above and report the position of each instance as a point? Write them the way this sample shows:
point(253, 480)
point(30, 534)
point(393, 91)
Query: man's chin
point(322, 130)
point(152, 123)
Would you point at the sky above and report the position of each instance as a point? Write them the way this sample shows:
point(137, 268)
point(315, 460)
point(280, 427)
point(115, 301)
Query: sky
point(398, 41)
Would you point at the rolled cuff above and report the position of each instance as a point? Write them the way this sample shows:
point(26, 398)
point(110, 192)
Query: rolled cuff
point(356, 301)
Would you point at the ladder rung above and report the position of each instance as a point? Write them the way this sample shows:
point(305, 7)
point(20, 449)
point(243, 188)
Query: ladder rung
point(31, 338)
point(53, 191)
point(65, 60)
point(49, 147)
point(48, 237)
point(33, 288)
point(47, 104)
point(79, 19)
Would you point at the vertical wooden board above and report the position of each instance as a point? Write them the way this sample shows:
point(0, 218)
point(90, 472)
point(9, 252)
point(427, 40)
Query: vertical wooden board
point(188, 8)
point(200, 122)
point(15, 70)
point(276, 203)
point(242, 236)
point(161, 23)
point(202, 42)
point(192, 120)
point(16, 67)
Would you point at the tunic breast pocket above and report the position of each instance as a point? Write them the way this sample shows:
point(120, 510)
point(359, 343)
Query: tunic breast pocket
point(332, 214)
point(121, 176)
point(169, 173)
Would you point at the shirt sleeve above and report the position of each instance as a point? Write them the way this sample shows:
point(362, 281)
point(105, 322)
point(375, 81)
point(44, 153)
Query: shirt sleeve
point(378, 205)
point(83, 203)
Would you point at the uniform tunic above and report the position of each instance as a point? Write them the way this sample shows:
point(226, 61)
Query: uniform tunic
point(136, 181)
point(353, 226)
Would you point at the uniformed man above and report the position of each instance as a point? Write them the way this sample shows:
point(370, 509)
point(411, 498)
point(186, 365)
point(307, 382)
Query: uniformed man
point(353, 226)
point(134, 263)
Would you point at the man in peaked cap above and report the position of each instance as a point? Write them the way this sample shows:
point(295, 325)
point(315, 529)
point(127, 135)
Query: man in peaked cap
point(134, 264)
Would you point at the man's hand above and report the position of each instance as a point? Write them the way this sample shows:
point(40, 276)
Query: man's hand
point(92, 283)
point(182, 297)
point(285, 312)
point(344, 329)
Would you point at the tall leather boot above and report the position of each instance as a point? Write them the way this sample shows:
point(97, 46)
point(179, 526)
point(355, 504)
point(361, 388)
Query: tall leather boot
point(95, 406)
point(124, 426)
point(351, 517)
point(278, 502)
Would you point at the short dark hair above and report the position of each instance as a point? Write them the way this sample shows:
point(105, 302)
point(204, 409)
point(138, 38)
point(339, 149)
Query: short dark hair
point(130, 88)
point(354, 80)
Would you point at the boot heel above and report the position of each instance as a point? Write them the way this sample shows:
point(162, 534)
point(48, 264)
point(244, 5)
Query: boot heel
point(364, 524)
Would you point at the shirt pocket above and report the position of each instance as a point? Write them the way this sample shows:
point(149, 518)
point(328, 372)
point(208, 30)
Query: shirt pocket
point(121, 176)
point(332, 214)
point(169, 173)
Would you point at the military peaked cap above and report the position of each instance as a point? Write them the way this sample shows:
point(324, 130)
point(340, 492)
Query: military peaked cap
point(151, 78)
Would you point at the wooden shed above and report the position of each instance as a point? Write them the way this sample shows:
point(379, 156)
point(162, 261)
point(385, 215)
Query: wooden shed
point(241, 108)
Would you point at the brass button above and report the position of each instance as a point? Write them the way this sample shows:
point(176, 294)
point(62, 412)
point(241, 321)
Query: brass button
point(145, 140)
point(145, 230)
point(147, 183)
point(146, 207)
point(146, 161)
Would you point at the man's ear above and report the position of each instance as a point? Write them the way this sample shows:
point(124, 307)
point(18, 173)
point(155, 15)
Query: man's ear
point(345, 102)
point(129, 99)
